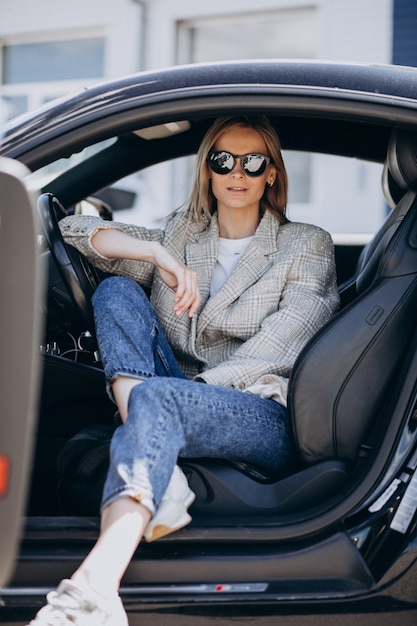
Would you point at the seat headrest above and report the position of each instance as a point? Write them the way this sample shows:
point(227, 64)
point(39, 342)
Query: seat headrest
point(392, 192)
point(402, 159)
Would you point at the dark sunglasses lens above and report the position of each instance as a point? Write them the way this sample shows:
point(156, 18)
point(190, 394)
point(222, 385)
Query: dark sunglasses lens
point(221, 162)
point(254, 164)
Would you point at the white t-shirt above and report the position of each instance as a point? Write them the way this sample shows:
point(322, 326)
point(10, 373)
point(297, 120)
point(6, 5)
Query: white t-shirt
point(229, 253)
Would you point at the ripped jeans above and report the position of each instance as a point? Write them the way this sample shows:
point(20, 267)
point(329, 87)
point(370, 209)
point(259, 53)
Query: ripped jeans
point(170, 416)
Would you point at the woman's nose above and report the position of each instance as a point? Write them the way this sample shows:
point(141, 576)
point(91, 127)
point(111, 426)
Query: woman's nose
point(238, 169)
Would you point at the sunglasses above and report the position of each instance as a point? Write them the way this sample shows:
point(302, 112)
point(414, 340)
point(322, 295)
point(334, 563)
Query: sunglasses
point(222, 162)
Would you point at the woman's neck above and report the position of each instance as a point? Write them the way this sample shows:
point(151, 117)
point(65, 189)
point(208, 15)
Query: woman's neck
point(237, 225)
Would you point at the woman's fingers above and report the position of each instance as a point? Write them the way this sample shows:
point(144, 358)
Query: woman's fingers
point(180, 278)
point(187, 296)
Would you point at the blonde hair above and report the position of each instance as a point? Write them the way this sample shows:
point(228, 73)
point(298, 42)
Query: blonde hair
point(202, 202)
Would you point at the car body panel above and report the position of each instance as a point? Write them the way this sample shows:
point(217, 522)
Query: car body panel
point(21, 292)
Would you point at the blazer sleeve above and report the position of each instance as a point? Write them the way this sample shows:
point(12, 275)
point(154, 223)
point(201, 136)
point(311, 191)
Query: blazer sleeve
point(308, 300)
point(78, 231)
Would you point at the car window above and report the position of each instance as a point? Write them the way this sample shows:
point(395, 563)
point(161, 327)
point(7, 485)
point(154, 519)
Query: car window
point(41, 177)
point(340, 194)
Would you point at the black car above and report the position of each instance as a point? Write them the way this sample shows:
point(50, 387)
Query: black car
point(335, 540)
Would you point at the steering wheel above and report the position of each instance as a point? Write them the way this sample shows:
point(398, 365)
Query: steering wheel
point(79, 276)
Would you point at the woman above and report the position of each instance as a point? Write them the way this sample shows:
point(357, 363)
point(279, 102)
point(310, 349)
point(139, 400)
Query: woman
point(236, 291)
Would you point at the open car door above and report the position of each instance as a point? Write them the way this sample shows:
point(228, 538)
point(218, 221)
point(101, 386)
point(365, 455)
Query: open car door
point(21, 289)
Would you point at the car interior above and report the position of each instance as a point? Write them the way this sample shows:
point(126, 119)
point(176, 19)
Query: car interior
point(346, 413)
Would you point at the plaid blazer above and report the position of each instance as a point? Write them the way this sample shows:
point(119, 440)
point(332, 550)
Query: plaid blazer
point(248, 335)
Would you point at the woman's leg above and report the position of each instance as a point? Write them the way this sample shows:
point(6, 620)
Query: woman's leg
point(172, 417)
point(91, 595)
point(132, 343)
point(168, 418)
point(130, 337)
point(122, 526)
point(133, 348)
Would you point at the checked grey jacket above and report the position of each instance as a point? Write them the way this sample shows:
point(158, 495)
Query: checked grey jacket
point(248, 335)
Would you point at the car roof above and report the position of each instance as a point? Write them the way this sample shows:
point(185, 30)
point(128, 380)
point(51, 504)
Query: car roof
point(336, 108)
point(304, 88)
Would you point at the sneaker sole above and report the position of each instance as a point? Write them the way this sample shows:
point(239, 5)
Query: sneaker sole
point(155, 531)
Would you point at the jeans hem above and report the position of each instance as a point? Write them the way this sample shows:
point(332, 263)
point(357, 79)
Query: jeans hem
point(133, 494)
point(111, 378)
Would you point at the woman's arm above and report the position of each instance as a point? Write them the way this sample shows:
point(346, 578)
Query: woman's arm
point(115, 244)
point(135, 252)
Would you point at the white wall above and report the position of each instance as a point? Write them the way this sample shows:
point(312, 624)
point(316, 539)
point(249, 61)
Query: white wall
point(350, 30)
point(357, 30)
point(353, 30)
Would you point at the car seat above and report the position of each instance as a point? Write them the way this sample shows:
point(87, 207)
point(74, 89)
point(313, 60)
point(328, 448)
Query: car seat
point(341, 382)
point(398, 177)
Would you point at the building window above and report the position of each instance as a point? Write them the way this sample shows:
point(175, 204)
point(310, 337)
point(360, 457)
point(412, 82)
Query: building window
point(280, 33)
point(36, 72)
point(53, 60)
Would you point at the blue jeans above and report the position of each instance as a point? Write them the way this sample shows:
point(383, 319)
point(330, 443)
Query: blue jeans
point(170, 416)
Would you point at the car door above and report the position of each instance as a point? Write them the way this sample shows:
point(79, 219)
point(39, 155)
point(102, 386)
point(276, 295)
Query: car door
point(20, 297)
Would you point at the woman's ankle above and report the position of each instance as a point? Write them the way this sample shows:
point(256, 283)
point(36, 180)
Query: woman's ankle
point(101, 585)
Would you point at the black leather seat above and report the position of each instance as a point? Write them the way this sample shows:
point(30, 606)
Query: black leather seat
point(398, 179)
point(340, 382)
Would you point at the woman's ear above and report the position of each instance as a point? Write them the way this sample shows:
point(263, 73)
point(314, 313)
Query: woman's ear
point(272, 176)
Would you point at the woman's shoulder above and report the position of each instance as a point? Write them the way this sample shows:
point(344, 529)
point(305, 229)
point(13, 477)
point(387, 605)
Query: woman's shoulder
point(176, 218)
point(304, 238)
point(304, 229)
point(182, 222)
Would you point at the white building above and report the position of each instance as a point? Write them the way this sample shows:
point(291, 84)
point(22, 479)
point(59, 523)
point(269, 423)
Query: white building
point(51, 48)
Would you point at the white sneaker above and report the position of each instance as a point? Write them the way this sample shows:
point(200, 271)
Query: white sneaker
point(172, 513)
point(70, 605)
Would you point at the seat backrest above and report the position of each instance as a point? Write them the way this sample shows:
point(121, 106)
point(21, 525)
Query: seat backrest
point(399, 183)
point(398, 179)
point(343, 376)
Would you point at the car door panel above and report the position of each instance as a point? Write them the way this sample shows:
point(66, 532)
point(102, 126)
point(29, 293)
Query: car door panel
point(20, 289)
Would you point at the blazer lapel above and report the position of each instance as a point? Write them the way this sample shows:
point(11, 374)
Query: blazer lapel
point(201, 256)
point(253, 264)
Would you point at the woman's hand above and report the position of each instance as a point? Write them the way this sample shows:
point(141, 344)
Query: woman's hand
point(115, 244)
point(181, 279)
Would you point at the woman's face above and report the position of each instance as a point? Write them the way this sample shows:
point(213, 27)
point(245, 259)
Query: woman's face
point(236, 190)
